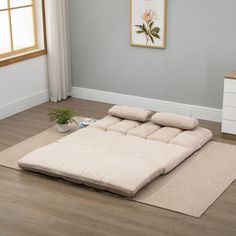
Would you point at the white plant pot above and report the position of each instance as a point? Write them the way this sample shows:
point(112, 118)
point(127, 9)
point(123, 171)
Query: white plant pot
point(63, 128)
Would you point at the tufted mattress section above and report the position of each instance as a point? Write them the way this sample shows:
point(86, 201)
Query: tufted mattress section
point(192, 139)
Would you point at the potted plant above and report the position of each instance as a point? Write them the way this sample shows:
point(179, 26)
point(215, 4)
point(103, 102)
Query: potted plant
point(62, 116)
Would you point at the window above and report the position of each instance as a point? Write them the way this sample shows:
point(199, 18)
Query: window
point(21, 26)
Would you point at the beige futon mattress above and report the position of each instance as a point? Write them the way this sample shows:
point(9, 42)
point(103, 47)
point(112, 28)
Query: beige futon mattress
point(117, 155)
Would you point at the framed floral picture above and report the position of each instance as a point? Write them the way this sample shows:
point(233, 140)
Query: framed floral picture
point(148, 23)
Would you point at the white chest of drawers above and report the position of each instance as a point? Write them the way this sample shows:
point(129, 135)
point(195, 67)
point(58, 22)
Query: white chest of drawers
point(229, 104)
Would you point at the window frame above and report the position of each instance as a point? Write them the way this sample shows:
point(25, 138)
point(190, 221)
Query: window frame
point(29, 52)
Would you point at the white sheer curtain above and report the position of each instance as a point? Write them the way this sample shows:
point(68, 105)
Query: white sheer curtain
point(58, 45)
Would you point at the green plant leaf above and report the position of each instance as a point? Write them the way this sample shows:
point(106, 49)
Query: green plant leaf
point(156, 29)
point(139, 31)
point(151, 25)
point(139, 26)
point(155, 35)
point(145, 29)
point(152, 39)
point(62, 115)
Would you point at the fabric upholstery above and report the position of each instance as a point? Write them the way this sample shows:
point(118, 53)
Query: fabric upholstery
point(106, 122)
point(144, 130)
point(120, 155)
point(130, 113)
point(113, 161)
point(122, 162)
point(193, 139)
point(123, 126)
point(165, 134)
point(173, 120)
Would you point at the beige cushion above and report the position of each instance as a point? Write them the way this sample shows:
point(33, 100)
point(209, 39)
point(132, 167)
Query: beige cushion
point(124, 126)
point(144, 130)
point(105, 122)
point(193, 139)
point(173, 120)
point(165, 134)
point(130, 113)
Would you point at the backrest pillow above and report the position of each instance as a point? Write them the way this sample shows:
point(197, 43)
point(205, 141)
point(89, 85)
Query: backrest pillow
point(176, 121)
point(130, 113)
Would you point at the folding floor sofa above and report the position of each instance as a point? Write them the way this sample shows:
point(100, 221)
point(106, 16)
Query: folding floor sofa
point(122, 152)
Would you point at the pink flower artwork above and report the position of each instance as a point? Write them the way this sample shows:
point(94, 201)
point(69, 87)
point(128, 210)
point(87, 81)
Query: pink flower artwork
point(149, 15)
point(148, 27)
point(148, 23)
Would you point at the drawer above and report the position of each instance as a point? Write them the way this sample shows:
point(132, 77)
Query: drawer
point(230, 85)
point(229, 113)
point(229, 99)
point(229, 127)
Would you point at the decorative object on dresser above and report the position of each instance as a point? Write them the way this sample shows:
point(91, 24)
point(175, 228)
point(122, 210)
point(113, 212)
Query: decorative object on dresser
point(229, 104)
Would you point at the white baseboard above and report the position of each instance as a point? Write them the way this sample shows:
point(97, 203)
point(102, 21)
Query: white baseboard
point(204, 113)
point(23, 104)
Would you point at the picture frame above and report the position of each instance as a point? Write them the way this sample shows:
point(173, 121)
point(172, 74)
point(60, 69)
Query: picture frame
point(148, 23)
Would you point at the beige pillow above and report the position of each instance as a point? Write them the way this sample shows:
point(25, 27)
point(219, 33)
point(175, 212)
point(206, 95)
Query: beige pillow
point(130, 113)
point(176, 121)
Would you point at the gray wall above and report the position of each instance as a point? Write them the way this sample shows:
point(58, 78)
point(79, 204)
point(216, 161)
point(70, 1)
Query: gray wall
point(201, 47)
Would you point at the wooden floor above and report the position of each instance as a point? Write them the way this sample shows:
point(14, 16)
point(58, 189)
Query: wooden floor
point(32, 204)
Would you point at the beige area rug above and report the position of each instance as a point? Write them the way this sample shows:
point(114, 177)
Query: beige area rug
point(189, 189)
